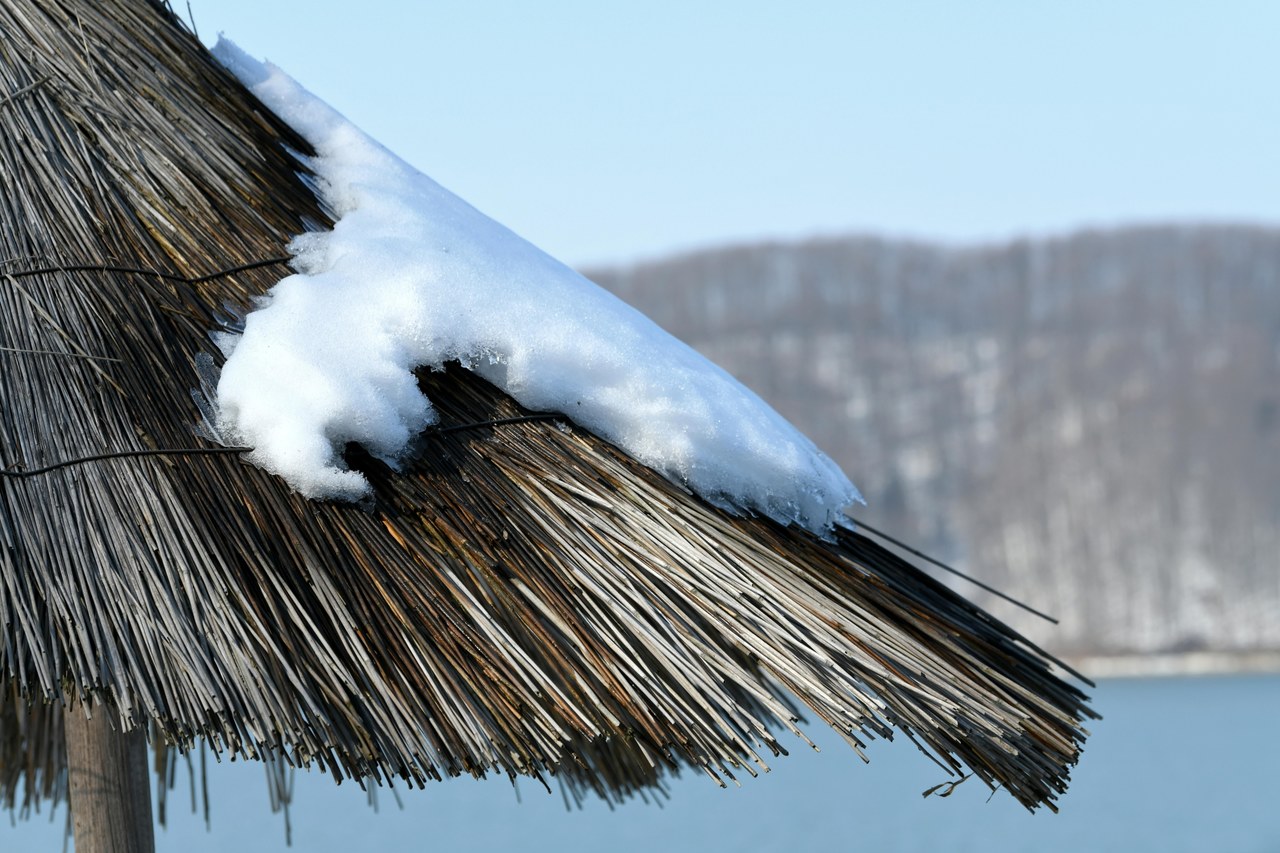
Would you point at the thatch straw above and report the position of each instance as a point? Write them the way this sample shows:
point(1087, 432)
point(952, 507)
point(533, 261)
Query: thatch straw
point(522, 599)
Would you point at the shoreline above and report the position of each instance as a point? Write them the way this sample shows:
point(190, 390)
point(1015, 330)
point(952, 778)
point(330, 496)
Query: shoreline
point(1165, 665)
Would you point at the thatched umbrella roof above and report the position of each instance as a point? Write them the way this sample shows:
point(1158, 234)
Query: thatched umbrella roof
point(521, 599)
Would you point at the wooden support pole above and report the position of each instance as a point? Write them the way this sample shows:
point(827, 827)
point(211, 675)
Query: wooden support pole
point(108, 784)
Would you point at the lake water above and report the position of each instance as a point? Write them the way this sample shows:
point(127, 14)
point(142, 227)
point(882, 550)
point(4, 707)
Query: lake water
point(1188, 764)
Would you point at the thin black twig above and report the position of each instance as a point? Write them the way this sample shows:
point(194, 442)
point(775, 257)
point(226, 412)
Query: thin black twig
point(252, 265)
point(124, 454)
point(167, 276)
point(25, 90)
point(17, 471)
point(22, 351)
point(520, 419)
point(933, 561)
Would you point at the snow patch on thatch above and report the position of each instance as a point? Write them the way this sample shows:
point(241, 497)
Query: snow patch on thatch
point(412, 276)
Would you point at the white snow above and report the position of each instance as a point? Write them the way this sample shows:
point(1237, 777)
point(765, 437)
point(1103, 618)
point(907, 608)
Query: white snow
point(412, 276)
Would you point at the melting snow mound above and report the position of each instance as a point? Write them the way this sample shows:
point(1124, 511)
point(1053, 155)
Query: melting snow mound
point(412, 276)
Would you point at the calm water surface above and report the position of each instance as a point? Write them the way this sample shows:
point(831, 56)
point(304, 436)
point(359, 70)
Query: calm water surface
point(1177, 765)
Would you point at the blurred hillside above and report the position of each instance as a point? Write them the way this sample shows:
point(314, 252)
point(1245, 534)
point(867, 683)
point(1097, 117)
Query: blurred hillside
point(1091, 424)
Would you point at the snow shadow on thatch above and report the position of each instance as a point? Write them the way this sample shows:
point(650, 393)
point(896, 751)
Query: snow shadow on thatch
point(521, 599)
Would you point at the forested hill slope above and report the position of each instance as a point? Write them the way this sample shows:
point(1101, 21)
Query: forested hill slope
point(1090, 423)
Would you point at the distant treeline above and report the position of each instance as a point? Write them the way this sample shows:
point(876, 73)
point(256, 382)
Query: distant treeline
point(1090, 423)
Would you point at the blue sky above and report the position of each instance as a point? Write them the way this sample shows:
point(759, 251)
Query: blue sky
point(607, 132)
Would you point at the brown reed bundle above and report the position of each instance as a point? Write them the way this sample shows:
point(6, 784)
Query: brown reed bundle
point(522, 599)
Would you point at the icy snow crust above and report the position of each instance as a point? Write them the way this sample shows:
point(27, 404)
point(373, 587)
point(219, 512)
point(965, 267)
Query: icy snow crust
point(413, 276)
